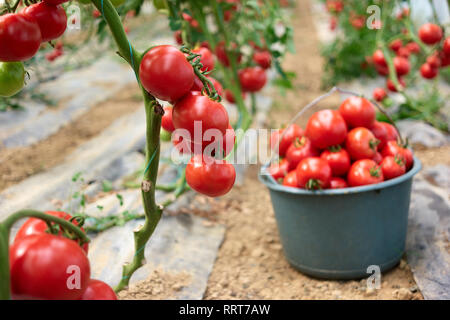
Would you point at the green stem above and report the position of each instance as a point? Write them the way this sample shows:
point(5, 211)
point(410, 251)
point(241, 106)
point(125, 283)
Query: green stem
point(5, 228)
point(153, 113)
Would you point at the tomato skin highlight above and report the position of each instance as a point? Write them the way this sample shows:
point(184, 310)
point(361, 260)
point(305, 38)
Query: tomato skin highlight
point(338, 183)
point(252, 79)
point(300, 149)
point(20, 37)
point(52, 20)
point(364, 172)
point(209, 176)
point(393, 149)
point(357, 112)
point(313, 173)
point(292, 132)
point(392, 167)
point(430, 33)
point(339, 161)
point(38, 226)
point(98, 290)
point(39, 266)
point(166, 120)
point(361, 144)
point(290, 180)
point(165, 73)
point(326, 128)
point(12, 78)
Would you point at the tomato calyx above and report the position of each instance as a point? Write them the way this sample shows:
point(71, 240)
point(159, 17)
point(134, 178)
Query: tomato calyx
point(299, 142)
point(400, 160)
point(59, 230)
point(373, 144)
point(313, 184)
point(375, 172)
point(335, 148)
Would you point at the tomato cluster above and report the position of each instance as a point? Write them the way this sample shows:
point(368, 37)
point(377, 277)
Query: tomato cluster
point(21, 35)
point(429, 34)
point(50, 266)
point(166, 73)
point(339, 148)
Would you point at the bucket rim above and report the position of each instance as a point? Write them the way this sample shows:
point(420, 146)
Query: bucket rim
point(270, 182)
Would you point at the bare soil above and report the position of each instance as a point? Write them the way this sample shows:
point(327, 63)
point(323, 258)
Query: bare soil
point(20, 163)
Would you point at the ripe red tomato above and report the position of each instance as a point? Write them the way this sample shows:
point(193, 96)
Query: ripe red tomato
point(193, 107)
point(98, 290)
point(178, 38)
point(20, 37)
point(434, 60)
point(445, 59)
point(263, 59)
point(339, 161)
point(38, 226)
point(428, 72)
point(230, 98)
point(401, 65)
point(165, 73)
point(430, 33)
point(396, 44)
point(377, 158)
point(313, 173)
point(290, 180)
point(379, 94)
point(292, 132)
point(391, 86)
point(326, 128)
point(335, 6)
point(413, 47)
point(52, 19)
point(222, 54)
point(166, 121)
point(446, 47)
point(380, 131)
point(357, 112)
point(280, 169)
point(338, 183)
point(206, 58)
point(393, 149)
point(364, 172)
point(392, 167)
point(378, 58)
point(392, 133)
point(403, 52)
point(361, 144)
point(44, 266)
point(300, 149)
point(252, 79)
point(209, 176)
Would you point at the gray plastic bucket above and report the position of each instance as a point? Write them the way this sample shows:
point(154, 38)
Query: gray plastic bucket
point(339, 233)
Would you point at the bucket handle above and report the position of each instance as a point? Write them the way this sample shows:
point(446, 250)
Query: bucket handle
point(320, 98)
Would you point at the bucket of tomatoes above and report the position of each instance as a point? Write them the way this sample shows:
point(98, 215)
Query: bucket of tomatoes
point(341, 191)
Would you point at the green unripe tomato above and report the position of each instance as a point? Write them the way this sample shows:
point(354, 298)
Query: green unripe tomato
point(117, 3)
point(12, 78)
point(160, 4)
point(165, 135)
